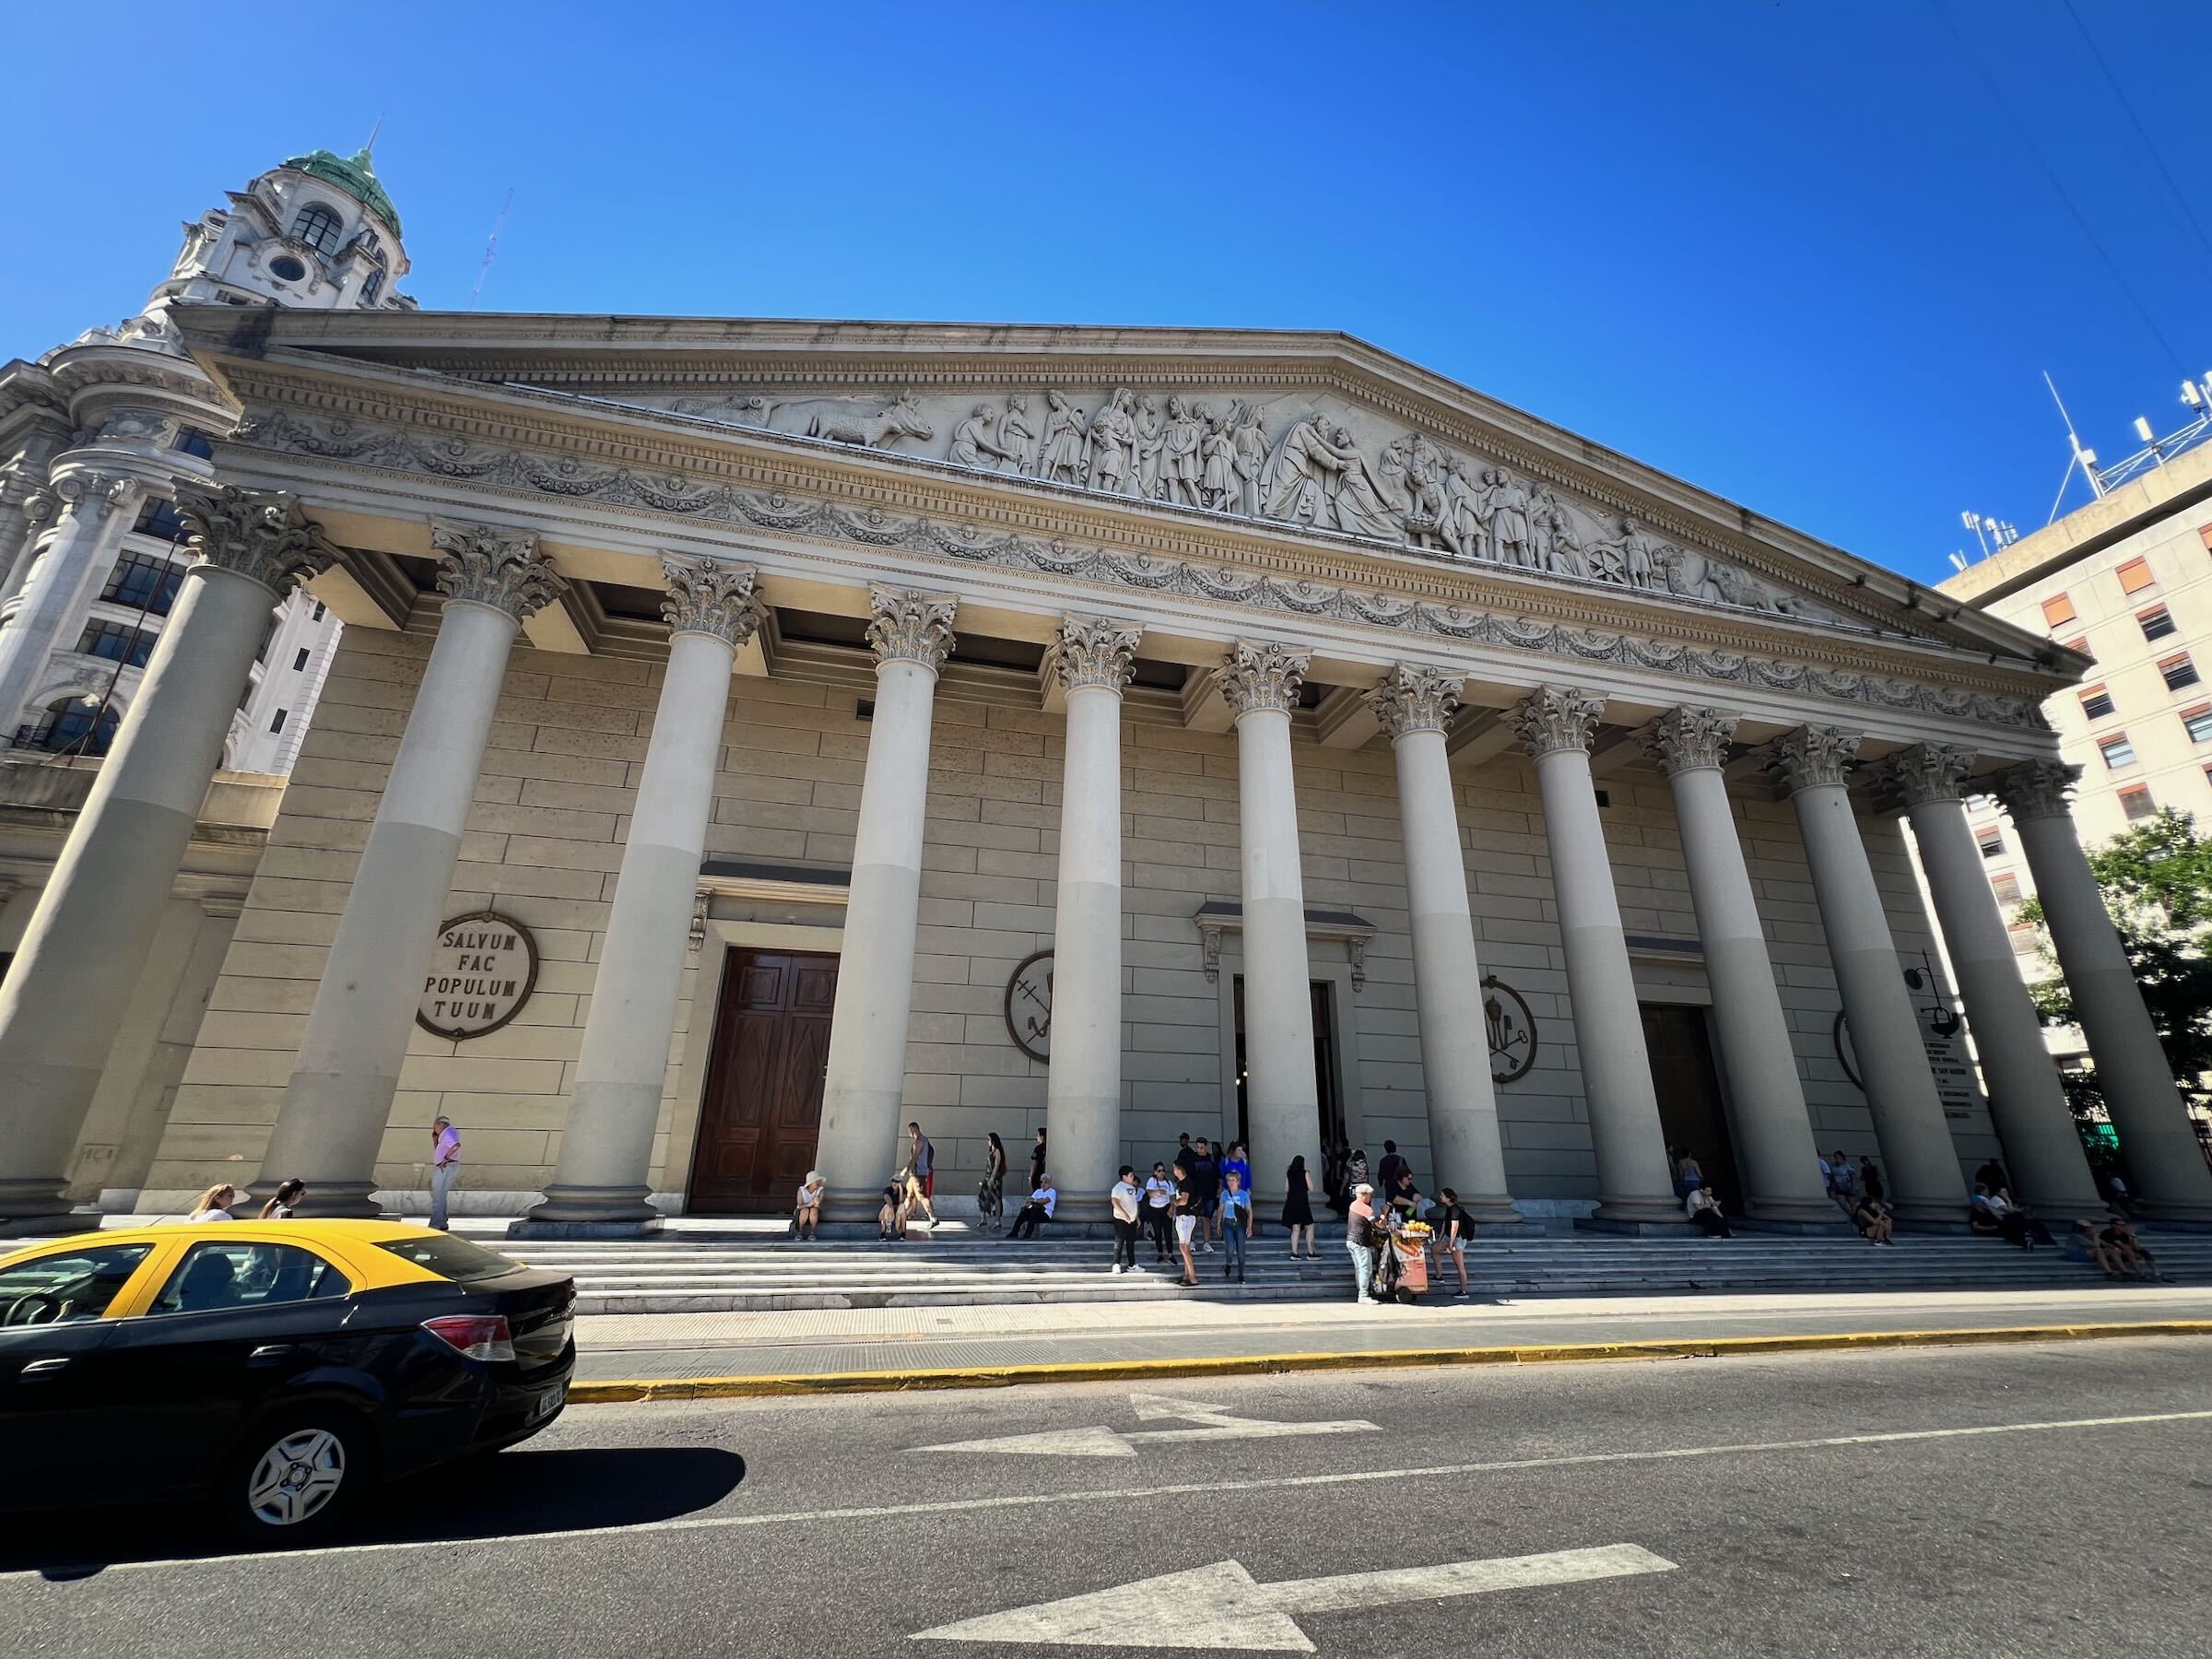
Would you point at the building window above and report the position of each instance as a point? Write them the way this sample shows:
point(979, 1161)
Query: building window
point(162, 519)
point(2117, 752)
point(277, 721)
point(85, 725)
point(319, 227)
point(2179, 671)
point(269, 637)
point(117, 643)
point(2135, 576)
point(1991, 840)
point(2137, 803)
point(144, 583)
point(193, 442)
point(372, 285)
point(2023, 938)
point(2097, 703)
point(2082, 645)
point(2197, 723)
point(2006, 887)
point(2156, 623)
point(2058, 610)
point(300, 659)
point(320, 609)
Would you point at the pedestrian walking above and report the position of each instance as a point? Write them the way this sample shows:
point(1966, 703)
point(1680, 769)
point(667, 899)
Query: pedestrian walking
point(991, 1197)
point(1126, 1202)
point(1297, 1205)
point(1236, 1223)
point(446, 1169)
point(1359, 1238)
point(1453, 1224)
point(286, 1204)
point(1187, 1220)
point(217, 1203)
point(1159, 1212)
point(1242, 1165)
point(920, 1173)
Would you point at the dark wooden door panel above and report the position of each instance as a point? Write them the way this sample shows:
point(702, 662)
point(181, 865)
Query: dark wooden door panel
point(763, 1106)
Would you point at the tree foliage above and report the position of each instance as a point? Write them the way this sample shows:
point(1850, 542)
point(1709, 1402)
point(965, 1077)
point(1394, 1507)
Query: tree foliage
point(2156, 880)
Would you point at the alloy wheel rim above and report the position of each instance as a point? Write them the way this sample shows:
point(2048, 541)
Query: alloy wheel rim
point(297, 1478)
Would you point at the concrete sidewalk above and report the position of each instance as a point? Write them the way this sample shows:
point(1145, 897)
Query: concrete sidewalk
point(821, 1343)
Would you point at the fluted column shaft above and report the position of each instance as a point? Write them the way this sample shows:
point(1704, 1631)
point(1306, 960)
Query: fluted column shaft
point(1281, 1090)
point(2042, 1149)
point(1091, 661)
point(338, 1100)
point(865, 1083)
point(601, 1178)
point(1635, 1187)
point(1772, 1129)
point(55, 576)
point(2155, 1136)
point(1415, 705)
point(1925, 1185)
point(73, 973)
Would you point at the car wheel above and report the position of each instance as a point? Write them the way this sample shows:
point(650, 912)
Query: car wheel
point(298, 1476)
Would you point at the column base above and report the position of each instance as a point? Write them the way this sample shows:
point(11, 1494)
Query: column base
point(51, 1224)
point(1658, 1215)
point(528, 1228)
point(1811, 1218)
point(1794, 1226)
point(1493, 1211)
point(1621, 1227)
point(591, 1207)
point(2176, 1218)
point(1916, 1224)
point(334, 1200)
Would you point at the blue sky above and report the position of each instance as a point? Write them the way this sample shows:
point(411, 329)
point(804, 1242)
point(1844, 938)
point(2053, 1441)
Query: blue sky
point(1795, 252)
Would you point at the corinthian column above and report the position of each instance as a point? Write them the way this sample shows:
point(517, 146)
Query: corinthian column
point(74, 972)
point(910, 635)
point(1635, 1188)
point(38, 508)
point(1282, 1097)
point(1924, 1182)
point(600, 1183)
point(1774, 1131)
point(2133, 1074)
point(2042, 1149)
point(56, 574)
point(1092, 661)
point(1415, 704)
point(340, 1099)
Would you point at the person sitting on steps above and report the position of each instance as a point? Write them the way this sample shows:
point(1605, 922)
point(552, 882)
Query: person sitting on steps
point(1704, 1212)
point(890, 1220)
point(1873, 1219)
point(807, 1212)
point(1037, 1211)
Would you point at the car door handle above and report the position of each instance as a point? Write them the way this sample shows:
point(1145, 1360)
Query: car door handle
point(43, 1368)
point(271, 1353)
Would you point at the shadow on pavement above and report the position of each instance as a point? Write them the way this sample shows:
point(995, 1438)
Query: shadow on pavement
point(516, 1493)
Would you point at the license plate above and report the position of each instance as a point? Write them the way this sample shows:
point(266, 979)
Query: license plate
point(548, 1403)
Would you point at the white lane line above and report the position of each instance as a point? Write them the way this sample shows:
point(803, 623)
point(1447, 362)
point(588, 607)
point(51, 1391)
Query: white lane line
point(952, 1506)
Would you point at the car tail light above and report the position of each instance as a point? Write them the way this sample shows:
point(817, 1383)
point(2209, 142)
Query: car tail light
point(478, 1336)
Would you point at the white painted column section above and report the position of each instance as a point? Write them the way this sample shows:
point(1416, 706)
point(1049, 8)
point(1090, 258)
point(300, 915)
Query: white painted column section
point(865, 1085)
point(2170, 1180)
point(22, 522)
point(1771, 1127)
point(2042, 1149)
point(601, 1178)
point(1635, 1187)
point(1282, 1096)
point(59, 572)
point(338, 1101)
point(96, 920)
point(1415, 704)
point(1092, 659)
point(1925, 1185)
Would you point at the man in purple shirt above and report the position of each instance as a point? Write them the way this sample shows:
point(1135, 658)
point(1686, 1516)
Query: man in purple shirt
point(445, 1166)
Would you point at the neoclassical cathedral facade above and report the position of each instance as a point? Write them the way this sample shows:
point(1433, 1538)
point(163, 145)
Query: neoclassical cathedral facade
point(749, 737)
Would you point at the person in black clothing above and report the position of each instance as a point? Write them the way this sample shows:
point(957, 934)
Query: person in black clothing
point(1037, 1162)
point(1205, 1184)
point(1453, 1226)
point(1386, 1172)
point(1991, 1175)
point(1870, 1179)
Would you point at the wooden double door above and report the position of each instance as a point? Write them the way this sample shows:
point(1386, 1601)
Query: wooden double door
point(762, 1112)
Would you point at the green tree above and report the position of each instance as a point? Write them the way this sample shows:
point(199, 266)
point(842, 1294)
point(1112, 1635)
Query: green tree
point(2157, 879)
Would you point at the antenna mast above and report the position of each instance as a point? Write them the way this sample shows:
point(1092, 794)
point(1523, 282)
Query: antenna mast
point(2084, 458)
point(491, 248)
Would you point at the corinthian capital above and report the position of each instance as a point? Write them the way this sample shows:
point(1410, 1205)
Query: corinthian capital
point(1688, 739)
point(479, 564)
point(1263, 677)
point(1412, 697)
point(94, 495)
point(1089, 653)
point(910, 627)
point(707, 597)
point(1552, 718)
point(2037, 789)
point(1928, 771)
point(1812, 757)
point(262, 535)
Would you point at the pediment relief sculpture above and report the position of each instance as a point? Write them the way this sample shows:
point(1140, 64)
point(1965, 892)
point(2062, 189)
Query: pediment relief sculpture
point(1327, 466)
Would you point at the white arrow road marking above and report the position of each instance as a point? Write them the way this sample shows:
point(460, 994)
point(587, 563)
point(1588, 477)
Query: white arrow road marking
point(1110, 1442)
point(1221, 1607)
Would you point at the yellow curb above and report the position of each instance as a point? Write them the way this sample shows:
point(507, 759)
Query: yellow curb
point(610, 1392)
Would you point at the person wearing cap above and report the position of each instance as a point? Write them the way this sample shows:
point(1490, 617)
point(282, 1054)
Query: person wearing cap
point(445, 1168)
point(806, 1213)
point(1359, 1238)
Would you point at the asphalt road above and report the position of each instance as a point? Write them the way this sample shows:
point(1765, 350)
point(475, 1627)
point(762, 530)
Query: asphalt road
point(2016, 1500)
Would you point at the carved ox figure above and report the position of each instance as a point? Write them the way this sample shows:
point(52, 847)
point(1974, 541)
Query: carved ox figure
point(852, 420)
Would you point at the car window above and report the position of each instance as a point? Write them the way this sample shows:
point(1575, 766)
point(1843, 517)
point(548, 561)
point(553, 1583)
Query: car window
point(452, 1258)
point(219, 1273)
point(67, 1285)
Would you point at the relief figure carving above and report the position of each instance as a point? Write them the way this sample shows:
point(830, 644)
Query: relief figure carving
point(852, 420)
point(1179, 462)
point(1060, 461)
point(1017, 437)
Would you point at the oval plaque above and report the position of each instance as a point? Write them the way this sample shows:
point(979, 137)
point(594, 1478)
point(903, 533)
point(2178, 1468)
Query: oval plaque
point(481, 974)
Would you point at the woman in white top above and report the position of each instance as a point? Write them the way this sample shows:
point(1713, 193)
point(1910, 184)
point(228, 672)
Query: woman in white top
point(806, 1213)
point(216, 1203)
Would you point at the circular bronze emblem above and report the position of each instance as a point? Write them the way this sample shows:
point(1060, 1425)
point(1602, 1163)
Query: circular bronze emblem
point(1030, 1006)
